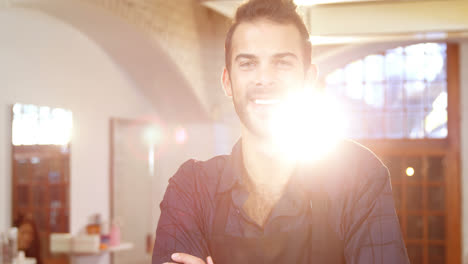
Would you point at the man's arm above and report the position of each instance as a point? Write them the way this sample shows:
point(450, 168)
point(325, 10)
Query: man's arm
point(180, 227)
point(373, 232)
point(188, 259)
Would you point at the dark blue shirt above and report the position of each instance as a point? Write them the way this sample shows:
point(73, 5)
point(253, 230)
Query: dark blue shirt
point(360, 212)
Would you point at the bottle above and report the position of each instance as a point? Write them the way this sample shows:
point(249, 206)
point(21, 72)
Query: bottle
point(114, 236)
point(94, 226)
point(2, 243)
point(21, 259)
point(105, 235)
point(13, 242)
point(5, 248)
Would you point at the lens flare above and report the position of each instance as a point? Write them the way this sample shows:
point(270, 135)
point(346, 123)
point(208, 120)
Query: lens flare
point(180, 135)
point(307, 126)
point(410, 171)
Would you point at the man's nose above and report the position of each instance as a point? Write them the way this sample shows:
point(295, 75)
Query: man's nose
point(265, 75)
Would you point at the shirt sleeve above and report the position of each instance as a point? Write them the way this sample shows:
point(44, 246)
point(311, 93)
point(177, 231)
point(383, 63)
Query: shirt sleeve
point(180, 227)
point(373, 231)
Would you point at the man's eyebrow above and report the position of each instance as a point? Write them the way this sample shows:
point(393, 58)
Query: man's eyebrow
point(276, 56)
point(285, 54)
point(244, 56)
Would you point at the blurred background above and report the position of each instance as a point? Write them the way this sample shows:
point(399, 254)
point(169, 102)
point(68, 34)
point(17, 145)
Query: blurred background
point(102, 100)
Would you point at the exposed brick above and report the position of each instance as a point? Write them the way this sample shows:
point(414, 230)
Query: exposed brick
point(191, 34)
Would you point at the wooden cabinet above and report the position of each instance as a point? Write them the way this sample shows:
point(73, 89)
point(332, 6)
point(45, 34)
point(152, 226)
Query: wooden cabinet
point(40, 188)
point(421, 204)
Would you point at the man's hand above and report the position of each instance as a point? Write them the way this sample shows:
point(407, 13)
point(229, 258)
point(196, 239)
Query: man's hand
point(188, 259)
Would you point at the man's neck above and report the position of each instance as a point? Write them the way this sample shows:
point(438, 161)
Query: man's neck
point(268, 172)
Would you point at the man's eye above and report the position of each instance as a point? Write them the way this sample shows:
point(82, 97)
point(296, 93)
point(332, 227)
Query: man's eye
point(247, 64)
point(284, 63)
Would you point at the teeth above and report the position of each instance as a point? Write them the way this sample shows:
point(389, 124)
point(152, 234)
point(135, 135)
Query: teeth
point(266, 101)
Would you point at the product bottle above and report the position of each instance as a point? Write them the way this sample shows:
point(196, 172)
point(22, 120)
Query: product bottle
point(94, 226)
point(114, 234)
point(105, 235)
point(21, 259)
point(13, 241)
point(5, 248)
point(1, 248)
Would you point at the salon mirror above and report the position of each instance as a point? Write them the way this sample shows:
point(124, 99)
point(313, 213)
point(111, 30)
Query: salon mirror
point(41, 173)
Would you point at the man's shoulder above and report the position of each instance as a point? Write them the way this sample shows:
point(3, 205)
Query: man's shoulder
point(351, 169)
point(209, 167)
point(353, 164)
point(195, 173)
point(354, 155)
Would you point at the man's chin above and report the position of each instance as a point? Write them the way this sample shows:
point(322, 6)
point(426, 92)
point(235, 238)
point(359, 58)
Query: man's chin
point(261, 130)
point(257, 124)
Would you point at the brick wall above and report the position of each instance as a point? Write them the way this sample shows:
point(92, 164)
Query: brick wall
point(190, 33)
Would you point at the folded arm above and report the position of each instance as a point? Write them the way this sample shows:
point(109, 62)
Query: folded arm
point(373, 232)
point(180, 227)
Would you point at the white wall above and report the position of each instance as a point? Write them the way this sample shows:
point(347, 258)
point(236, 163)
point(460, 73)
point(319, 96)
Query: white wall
point(464, 146)
point(46, 62)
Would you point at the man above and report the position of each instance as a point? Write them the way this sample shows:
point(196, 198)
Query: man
point(255, 206)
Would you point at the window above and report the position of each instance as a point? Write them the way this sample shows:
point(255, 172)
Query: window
point(41, 125)
point(404, 106)
point(400, 93)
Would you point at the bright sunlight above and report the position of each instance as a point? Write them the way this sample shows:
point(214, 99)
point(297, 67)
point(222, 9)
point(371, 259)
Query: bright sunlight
point(307, 126)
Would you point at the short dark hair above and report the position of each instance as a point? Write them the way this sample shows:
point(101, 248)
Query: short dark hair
point(280, 11)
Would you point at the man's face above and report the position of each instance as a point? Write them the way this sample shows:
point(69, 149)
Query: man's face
point(267, 65)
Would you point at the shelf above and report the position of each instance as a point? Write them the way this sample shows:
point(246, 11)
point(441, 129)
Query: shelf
point(121, 247)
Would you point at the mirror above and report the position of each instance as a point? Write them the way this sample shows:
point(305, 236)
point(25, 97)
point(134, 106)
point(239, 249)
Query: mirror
point(41, 175)
point(133, 163)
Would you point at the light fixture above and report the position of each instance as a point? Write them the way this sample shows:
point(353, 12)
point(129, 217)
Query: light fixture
point(409, 171)
point(330, 40)
point(321, 2)
point(180, 135)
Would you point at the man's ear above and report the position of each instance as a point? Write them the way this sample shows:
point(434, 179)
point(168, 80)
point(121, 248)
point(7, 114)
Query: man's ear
point(226, 82)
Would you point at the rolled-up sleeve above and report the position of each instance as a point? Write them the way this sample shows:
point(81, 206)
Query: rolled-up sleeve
point(180, 227)
point(373, 232)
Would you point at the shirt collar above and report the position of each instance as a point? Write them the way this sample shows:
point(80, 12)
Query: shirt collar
point(232, 173)
point(293, 200)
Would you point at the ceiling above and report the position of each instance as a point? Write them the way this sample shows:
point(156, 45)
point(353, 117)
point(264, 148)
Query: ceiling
point(375, 21)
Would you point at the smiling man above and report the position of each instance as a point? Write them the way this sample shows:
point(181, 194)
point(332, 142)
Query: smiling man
point(255, 205)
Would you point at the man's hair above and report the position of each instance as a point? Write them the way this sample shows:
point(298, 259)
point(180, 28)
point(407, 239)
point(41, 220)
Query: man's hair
point(279, 11)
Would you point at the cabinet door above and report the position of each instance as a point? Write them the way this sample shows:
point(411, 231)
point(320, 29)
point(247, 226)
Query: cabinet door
point(40, 191)
point(421, 192)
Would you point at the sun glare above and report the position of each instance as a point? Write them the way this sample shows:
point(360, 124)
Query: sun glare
point(307, 126)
